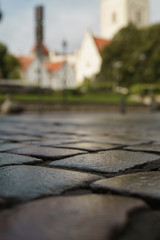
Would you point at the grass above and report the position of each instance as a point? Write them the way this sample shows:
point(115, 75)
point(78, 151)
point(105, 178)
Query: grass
point(103, 98)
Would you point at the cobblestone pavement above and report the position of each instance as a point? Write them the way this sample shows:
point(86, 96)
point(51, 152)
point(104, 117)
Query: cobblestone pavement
point(80, 176)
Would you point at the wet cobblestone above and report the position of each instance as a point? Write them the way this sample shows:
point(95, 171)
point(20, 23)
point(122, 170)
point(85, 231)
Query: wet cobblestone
point(73, 176)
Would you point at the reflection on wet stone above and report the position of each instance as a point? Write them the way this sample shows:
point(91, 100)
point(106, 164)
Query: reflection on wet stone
point(9, 159)
point(48, 160)
point(9, 146)
point(23, 183)
point(89, 146)
point(143, 184)
point(107, 162)
point(46, 152)
point(90, 217)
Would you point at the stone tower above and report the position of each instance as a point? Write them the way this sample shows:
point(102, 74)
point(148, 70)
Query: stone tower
point(116, 14)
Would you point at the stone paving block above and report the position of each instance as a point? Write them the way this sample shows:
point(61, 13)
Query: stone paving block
point(107, 162)
point(20, 138)
point(143, 184)
point(8, 159)
point(12, 130)
point(56, 136)
point(23, 183)
point(142, 225)
point(52, 143)
point(155, 137)
point(89, 146)
point(115, 140)
point(4, 137)
point(90, 217)
point(145, 148)
point(47, 152)
point(4, 147)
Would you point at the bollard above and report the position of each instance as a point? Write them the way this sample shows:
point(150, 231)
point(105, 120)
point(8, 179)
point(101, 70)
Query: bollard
point(123, 106)
point(152, 105)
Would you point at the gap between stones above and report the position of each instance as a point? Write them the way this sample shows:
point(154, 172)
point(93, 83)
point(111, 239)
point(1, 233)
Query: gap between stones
point(151, 166)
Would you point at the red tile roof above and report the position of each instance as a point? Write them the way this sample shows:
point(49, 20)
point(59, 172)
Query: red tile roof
point(100, 43)
point(25, 62)
point(43, 49)
point(53, 67)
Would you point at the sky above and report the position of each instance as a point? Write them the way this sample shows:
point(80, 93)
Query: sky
point(64, 20)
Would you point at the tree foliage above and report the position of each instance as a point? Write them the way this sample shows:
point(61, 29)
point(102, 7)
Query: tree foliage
point(9, 65)
point(132, 57)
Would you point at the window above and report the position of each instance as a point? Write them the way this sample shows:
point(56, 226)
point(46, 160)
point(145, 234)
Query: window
point(114, 17)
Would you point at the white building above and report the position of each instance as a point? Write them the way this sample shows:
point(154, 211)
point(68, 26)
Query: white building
point(89, 58)
point(59, 57)
point(56, 75)
point(86, 62)
point(61, 75)
point(116, 14)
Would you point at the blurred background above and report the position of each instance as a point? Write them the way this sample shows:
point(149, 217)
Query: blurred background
point(103, 52)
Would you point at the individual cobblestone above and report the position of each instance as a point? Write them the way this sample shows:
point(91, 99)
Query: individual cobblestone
point(51, 143)
point(145, 148)
point(121, 140)
point(46, 152)
point(13, 159)
point(4, 147)
point(90, 217)
point(24, 183)
point(108, 162)
point(89, 146)
point(143, 184)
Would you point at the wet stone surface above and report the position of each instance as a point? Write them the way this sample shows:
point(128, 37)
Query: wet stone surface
point(89, 146)
point(13, 159)
point(92, 176)
point(52, 143)
point(145, 148)
point(91, 217)
point(108, 162)
point(46, 152)
point(17, 138)
point(23, 183)
point(121, 140)
point(143, 184)
point(4, 147)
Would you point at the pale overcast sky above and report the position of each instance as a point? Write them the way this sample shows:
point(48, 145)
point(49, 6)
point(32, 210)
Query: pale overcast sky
point(64, 19)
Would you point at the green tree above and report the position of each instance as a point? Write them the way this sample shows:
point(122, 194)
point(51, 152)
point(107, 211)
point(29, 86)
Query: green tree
point(9, 65)
point(132, 57)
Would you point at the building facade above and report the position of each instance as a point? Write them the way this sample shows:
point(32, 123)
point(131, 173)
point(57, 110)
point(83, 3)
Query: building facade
point(57, 75)
point(89, 58)
point(116, 14)
point(61, 71)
